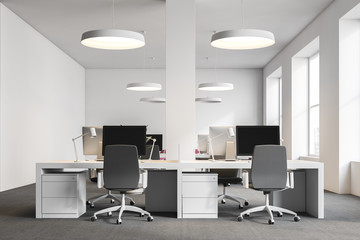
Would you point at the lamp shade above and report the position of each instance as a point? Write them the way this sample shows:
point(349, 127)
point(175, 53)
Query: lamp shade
point(143, 86)
point(209, 99)
point(113, 39)
point(153, 100)
point(242, 39)
point(216, 86)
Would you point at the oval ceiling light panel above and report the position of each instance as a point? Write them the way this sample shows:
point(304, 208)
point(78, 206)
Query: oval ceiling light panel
point(242, 39)
point(216, 86)
point(143, 87)
point(113, 39)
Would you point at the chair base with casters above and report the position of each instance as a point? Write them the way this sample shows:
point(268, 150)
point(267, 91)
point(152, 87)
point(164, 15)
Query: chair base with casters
point(123, 207)
point(113, 198)
point(270, 209)
point(239, 200)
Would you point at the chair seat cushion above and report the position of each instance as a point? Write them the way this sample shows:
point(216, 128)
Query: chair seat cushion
point(233, 180)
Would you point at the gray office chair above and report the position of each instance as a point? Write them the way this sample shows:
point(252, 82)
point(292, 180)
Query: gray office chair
point(121, 173)
point(227, 177)
point(269, 173)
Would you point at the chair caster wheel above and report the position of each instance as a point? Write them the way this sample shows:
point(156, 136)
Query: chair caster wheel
point(118, 221)
point(247, 215)
point(92, 205)
point(109, 214)
point(150, 218)
point(88, 202)
point(93, 219)
point(132, 203)
point(271, 222)
point(279, 214)
point(223, 201)
point(241, 207)
point(142, 215)
point(112, 201)
point(246, 203)
point(297, 219)
point(240, 218)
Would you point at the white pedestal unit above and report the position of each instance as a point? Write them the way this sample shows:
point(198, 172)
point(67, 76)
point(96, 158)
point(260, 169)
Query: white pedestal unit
point(199, 195)
point(63, 195)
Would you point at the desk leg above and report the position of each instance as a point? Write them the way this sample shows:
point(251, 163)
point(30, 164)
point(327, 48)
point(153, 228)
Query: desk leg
point(179, 193)
point(39, 172)
point(315, 192)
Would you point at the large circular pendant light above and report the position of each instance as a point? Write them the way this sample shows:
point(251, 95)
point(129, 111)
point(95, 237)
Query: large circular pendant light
point(113, 39)
point(144, 86)
point(242, 39)
point(216, 86)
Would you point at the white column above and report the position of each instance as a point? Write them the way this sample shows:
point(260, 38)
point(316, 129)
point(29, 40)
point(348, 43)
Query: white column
point(180, 79)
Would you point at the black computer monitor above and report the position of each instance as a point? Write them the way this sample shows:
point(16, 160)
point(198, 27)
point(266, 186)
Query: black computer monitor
point(130, 135)
point(247, 137)
point(158, 142)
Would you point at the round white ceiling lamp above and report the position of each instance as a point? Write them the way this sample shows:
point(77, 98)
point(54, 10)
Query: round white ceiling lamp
point(209, 99)
point(144, 86)
point(242, 39)
point(113, 39)
point(216, 86)
point(153, 100)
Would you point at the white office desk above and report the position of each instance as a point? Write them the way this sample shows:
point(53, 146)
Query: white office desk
point(313, 182)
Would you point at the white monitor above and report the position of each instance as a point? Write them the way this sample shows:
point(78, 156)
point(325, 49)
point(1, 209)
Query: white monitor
point(91, 145)
point(203, 143)
point(219, 137)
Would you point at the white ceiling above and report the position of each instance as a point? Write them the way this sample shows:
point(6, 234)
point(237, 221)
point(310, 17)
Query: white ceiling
point(63, 22)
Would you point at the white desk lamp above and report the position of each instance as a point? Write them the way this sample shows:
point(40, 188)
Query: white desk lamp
point(92, 135)
point(230, 132)
point(152, 148)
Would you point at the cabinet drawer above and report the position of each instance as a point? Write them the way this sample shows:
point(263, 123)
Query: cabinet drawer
point(59, 189)
point(199, 189)
point(59, 178)
point(200, 205)
point(59, 205)
point(193, 177)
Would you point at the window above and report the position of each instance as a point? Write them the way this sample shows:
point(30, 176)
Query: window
point(314, 133)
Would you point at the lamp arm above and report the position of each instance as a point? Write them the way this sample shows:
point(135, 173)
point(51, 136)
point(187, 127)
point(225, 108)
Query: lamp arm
point(76, 155)
point(152, 148)
point(211, 148)
point(80, 136)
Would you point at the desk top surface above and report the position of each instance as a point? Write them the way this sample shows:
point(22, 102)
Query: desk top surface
point(175, 164)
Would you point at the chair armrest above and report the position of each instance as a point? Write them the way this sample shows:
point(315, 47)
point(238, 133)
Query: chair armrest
point(290, 179)
point(100, 179)
point(245, 179)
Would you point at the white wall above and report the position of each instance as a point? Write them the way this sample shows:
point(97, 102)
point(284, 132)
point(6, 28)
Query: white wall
point(241, 106)
point(108, 101)
point(42, 101)
point(349, 100)
point(326, 26)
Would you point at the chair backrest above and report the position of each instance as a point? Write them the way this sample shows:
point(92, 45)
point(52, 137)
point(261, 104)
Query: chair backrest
point(269, 167)
point(121, 167)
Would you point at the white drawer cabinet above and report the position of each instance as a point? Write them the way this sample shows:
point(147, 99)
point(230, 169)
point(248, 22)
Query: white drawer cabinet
point(199, 195)
point(63, 195)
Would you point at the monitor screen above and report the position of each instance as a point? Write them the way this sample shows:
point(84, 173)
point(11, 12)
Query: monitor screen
point(247, 137)
point(219, 136)
point(91, 145)
point(130, 135)
point(159, 140)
